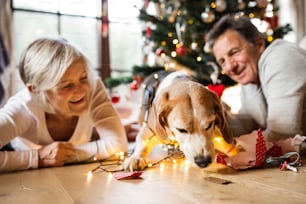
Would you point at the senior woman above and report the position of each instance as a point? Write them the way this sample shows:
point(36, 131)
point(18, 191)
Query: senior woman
point(50, 122)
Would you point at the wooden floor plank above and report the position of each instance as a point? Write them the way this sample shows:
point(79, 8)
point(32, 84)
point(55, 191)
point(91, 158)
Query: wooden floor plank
point(35, 187)
point(167, 183)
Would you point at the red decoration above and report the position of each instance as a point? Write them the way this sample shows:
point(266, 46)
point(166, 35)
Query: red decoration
point(181, 50)
point(260, 149)
point(148, 32)
point(273, 21)
point(260, 155)
point(159, 52)
point(220, 158)
point(115, 98)
point(138, 78)
point(127, 175)
point(134, 85)
point(275, 151)
point(286, 166)
point(217, 88)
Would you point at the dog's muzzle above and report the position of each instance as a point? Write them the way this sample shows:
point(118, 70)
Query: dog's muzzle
point(202, 161)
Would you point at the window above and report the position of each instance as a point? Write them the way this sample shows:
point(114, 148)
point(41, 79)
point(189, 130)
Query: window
point(79, 24)
point(79, 21)
point(124, 35)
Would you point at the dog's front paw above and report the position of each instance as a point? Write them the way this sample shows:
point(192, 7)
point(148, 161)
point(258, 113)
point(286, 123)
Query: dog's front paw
point(134, 164)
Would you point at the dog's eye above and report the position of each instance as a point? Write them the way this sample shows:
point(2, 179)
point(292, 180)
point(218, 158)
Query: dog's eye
point(181, 130)
point(209, 126)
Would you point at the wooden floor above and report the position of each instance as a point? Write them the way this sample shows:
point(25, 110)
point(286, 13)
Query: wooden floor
point(166, 182)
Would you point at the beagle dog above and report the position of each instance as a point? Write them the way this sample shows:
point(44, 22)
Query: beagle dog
point(182, 109)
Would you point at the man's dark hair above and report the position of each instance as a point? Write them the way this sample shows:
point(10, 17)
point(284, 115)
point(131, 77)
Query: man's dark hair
point(239, 23)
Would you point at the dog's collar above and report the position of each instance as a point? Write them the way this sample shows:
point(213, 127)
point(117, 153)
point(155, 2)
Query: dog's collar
point(150, 86)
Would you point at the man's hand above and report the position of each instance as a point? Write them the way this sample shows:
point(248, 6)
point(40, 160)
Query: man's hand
point(55, 154)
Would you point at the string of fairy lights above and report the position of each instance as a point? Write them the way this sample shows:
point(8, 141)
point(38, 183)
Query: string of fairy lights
point(174, 154)
point(114, 163)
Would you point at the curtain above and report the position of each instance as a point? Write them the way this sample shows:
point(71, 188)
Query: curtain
point(300, 25)
point(5, 50)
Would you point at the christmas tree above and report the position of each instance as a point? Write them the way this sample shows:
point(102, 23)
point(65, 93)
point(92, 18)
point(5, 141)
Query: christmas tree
point(175, 30)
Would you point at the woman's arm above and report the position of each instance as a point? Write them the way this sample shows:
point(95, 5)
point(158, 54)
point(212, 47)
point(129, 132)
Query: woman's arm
point(18, 160)
point(112, 135)
point(15, 119)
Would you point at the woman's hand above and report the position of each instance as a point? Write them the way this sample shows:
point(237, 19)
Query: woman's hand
point(55, 154)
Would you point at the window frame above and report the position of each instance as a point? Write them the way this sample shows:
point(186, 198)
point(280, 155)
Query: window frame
point(104, 68)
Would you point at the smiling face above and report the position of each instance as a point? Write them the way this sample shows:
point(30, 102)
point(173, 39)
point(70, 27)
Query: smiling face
point(238, 57)
point(70, 96)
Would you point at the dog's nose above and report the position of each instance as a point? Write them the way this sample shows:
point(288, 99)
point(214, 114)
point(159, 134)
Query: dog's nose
point(202, 161)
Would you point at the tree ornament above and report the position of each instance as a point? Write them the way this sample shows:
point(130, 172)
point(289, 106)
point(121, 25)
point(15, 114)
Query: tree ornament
point(159, 52)
point(194, 45)
point(241, 5)
point(115, 97)
point(262, 3)
point(148, 31)
point(207, 16)
point(270, 16)
point(273, 21)
point(181, 50)
point(179, 31)
point(160, 9)
point(220, 5)
point(206, 48)
point(172, 16)
point(134, 85)
point(138, 79)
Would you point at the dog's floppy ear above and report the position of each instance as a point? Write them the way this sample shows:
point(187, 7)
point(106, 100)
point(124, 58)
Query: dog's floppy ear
point(161, 109)
point(222, 124)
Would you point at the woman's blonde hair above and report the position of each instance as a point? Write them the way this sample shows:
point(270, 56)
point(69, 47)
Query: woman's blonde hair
point(44, 62)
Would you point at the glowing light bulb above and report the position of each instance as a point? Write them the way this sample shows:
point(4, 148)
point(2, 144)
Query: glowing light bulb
point(89, 174)
point(173, 54)
point(120, 155)
point(172, 65)
point(270, 38)
point(186, 163)
point(155, 76)
point(221, 145)
point(174, 164)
